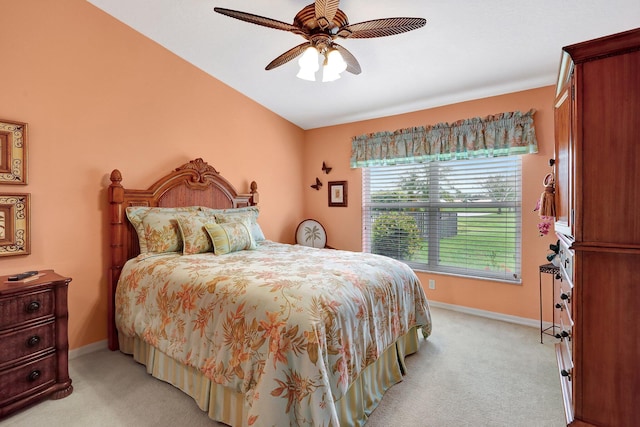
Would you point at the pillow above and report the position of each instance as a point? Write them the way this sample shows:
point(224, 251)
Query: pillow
point(230, 237)
point(249, 214)
point(157, 228)
point(194, 236)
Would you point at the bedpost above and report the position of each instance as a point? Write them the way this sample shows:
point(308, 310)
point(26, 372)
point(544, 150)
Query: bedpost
point(255, 196)
point(116, 199)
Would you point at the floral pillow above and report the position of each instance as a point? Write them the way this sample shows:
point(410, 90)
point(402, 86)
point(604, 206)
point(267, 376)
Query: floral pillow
point(249, 214)
point(195, 238)
point(230, 237)
point(157, 228)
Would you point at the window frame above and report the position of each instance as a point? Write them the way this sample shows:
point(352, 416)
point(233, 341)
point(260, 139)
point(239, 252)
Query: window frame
point(512, 164)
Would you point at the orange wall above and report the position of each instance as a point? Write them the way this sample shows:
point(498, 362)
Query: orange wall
point(97, 96)
point(343, 225)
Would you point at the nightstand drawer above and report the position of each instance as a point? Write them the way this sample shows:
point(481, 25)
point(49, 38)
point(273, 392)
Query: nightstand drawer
point(27, 378)
point(34, 347)
point(26, 307)
point(24, 342)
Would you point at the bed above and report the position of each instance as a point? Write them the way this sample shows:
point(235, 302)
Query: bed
point(258, 333)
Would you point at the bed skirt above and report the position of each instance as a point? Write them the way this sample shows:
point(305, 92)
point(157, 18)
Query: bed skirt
point(228, 406)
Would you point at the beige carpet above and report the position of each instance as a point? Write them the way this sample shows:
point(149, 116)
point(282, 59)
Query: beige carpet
point(471, 372)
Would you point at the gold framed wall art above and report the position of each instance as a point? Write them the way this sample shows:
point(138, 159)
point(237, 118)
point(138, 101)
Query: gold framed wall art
point(13, 152)
point(14, 224)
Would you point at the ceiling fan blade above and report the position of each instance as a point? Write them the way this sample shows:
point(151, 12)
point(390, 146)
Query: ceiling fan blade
point(352, 63)
point(288, 56)
point(381, 27)
point(325, 12)
point(259, 20)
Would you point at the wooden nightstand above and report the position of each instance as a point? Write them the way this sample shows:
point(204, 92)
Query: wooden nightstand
point(34, 347)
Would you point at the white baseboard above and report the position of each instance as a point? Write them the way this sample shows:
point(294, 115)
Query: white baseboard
point(534, 323)
point(93, 347)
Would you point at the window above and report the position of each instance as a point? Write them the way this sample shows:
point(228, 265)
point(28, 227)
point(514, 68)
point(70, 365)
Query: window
point(456, 217)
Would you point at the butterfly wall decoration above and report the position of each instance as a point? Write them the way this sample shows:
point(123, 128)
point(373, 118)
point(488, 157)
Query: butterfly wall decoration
point(326, 169)
point(317, 185)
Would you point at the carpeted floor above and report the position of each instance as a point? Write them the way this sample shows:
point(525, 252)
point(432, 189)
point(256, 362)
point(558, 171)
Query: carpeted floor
point(472, 371)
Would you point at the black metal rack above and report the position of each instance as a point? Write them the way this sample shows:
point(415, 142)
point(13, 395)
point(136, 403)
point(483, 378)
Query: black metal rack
point(554, 271)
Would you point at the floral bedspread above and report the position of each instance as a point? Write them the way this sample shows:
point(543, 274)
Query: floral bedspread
point(290, 327)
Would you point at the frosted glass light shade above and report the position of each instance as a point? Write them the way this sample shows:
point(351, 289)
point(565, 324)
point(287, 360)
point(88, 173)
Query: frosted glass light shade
point(308, 64)
point(334, 66)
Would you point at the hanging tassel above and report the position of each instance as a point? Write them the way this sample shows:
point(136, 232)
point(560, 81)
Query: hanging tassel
point(547, 198)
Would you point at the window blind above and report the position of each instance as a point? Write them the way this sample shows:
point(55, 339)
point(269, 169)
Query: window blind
point(456, 217)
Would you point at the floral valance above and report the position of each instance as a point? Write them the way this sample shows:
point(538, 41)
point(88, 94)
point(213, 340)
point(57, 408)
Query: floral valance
point(502, 134)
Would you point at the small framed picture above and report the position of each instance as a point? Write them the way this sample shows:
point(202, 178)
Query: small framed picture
point(14, 224)
point(338, 193)
point(13, 152)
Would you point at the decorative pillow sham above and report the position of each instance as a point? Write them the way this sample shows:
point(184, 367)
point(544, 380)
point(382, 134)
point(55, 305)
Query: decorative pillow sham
point(230, 237)
point(249, 213)
point(157, 228)
point(195, 237)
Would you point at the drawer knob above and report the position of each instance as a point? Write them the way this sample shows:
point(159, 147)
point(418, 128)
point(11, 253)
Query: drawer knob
point(566, 374)
point(33, 341)
point(562, 335)
point(559, 306)
point(34, 375)
point(33, 306)
point(565, 297)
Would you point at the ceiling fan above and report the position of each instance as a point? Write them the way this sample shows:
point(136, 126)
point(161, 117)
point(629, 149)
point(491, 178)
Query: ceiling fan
point(320, 23)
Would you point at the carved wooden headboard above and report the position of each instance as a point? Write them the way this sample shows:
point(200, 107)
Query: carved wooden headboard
point(193, 184)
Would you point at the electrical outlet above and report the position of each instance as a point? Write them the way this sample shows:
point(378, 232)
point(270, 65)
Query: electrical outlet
point(432, 284)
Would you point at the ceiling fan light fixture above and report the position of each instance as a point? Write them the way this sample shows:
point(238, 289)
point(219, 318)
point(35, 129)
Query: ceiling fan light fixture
point(333, 66)
point(319, 23)
point(309, 64)
point(329, 75)
point(306, 75)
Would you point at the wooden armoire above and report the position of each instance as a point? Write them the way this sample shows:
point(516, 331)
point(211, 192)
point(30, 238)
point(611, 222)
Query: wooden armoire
point(597, 168)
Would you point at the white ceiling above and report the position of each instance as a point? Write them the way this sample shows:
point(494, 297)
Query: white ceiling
point(469, 49)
